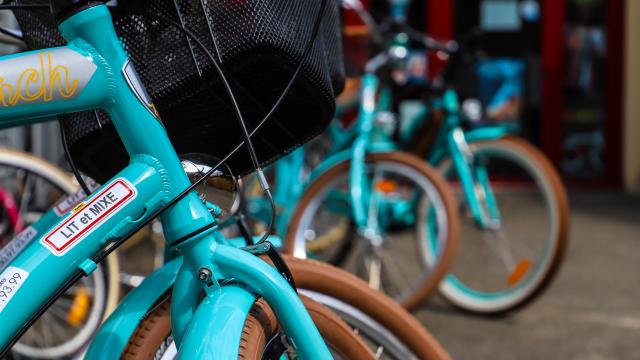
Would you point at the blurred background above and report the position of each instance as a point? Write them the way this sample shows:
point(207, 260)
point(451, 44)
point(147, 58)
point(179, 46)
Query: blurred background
point(574, 61)
point(575, 65)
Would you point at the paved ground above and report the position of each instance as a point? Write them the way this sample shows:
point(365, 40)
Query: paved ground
point(591, 311)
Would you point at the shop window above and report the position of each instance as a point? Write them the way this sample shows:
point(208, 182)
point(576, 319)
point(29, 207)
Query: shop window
point(583, 147)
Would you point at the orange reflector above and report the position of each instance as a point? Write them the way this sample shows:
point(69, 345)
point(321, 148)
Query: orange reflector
point(80, 307)
point(386, 186)
point(356, 30)
point(519, 272)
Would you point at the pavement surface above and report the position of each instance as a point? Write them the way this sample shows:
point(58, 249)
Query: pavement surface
point(590, 312)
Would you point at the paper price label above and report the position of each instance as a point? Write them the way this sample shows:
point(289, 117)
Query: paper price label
point(10, 282)
point(16, 245)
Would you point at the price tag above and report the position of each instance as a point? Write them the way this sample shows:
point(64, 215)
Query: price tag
point(10, 282)
point(16, 245)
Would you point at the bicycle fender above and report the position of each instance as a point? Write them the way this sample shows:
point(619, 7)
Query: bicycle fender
point(215, 330)
point(486, 133)
point(114, 334)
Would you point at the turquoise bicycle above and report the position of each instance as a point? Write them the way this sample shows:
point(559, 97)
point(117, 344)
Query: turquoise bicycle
point(374, 208)
point(214, 286)
point(504, 186)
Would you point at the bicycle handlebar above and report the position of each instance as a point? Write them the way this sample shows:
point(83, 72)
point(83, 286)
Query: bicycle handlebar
point(449, 47)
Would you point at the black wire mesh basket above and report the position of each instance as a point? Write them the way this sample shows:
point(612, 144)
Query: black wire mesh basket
point(259, 44)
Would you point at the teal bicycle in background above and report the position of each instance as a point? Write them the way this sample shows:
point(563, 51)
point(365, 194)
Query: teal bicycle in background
point(350, 198)
point(504, 185)
point(374, 209)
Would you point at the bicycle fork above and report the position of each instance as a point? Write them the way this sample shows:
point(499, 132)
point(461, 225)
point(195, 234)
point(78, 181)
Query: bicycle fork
point(231, 280)
point(474, 179)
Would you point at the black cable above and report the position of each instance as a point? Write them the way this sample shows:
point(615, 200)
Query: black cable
point(189, 189)
point(272, 221)
point(24, 327)
point(72, 164)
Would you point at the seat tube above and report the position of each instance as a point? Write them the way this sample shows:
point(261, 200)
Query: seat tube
point(462, 159)
point(358, 181)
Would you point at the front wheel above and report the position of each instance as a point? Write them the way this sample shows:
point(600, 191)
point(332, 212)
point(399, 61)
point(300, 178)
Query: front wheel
point(409, 207)
point(390, 331)
point(504, 266)
point(153, 340)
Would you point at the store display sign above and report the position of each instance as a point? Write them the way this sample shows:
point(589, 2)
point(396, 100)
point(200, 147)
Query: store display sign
point(500, 15)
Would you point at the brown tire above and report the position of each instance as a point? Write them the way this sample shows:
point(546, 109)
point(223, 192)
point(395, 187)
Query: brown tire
point(430, 283)
point(153, 333)
point(327, 280)
point(262, 324)
point(560, 205)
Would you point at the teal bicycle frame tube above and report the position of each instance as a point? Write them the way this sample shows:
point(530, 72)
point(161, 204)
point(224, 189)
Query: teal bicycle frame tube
point(114, 334)
point(93, 71)
point(224, 315)
point(46, 271)
point(267, 282)
point(454, 142)
point(357, 178)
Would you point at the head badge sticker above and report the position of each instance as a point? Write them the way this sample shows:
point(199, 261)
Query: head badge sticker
point(45, 76)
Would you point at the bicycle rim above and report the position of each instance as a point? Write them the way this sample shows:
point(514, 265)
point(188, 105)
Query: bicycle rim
point(498, 270)
point(382, 342)
point(401, 271)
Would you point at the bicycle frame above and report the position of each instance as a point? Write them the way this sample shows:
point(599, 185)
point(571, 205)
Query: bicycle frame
point(353, 143)
point(93, 71)
point(453, 141)
point(368, 138)
point(292, 180)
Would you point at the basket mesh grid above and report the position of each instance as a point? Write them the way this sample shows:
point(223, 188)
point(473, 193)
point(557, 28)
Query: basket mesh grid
point(259, 43)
